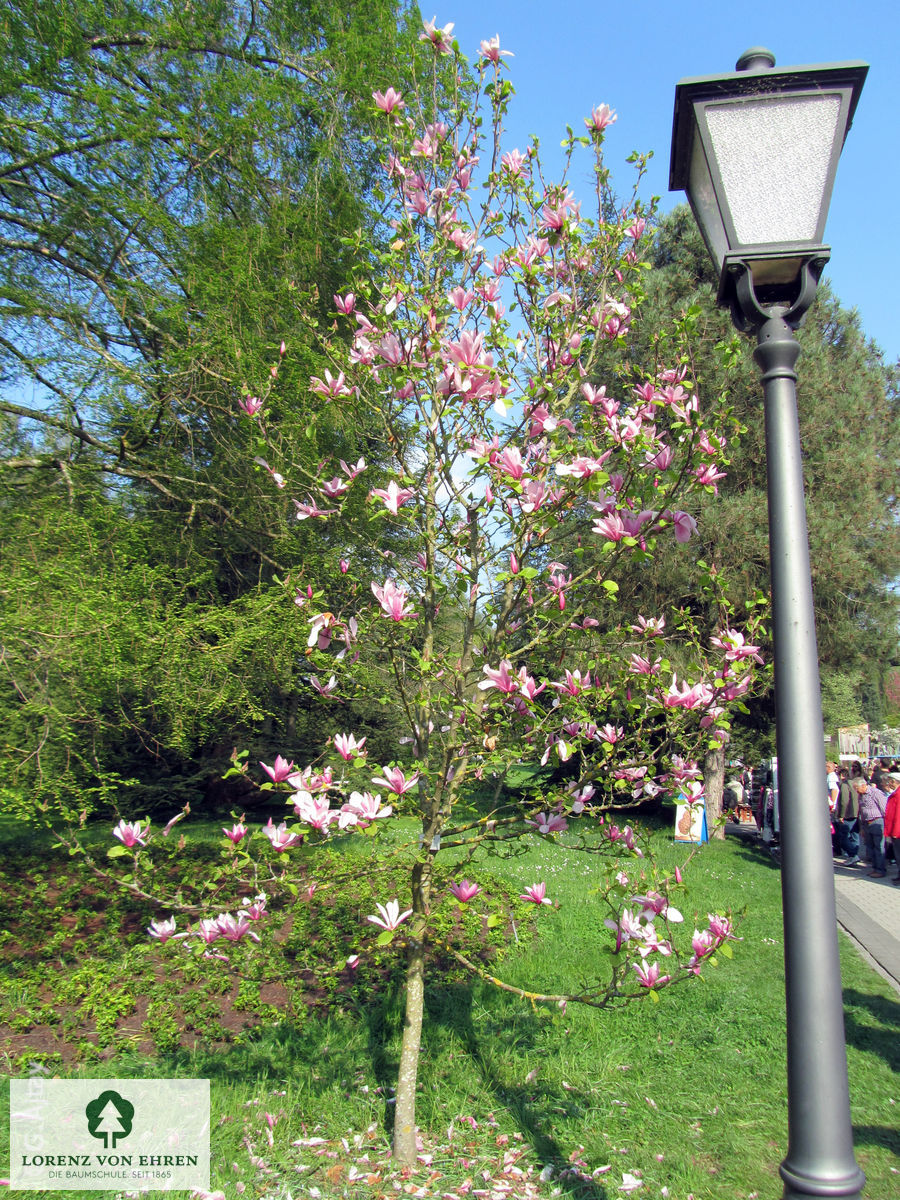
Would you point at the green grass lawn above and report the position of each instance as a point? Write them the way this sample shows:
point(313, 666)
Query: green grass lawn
point(686, 1094)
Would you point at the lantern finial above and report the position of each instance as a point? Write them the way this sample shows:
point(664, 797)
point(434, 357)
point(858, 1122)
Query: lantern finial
point(757, 58)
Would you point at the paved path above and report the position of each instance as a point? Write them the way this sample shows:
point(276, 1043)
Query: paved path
point(868, 910)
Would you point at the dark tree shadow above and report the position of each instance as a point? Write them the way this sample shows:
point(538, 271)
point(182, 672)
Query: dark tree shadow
point(451, 1008)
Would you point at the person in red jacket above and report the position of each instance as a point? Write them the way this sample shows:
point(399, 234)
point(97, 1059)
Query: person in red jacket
point(892, 820)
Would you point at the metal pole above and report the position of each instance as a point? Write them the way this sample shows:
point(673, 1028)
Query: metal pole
point(820, 1160)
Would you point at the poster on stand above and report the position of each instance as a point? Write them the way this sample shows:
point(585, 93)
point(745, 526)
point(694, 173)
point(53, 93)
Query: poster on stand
point(690, 823)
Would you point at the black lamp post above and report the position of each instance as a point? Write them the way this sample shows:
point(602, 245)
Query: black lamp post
point(756, 151)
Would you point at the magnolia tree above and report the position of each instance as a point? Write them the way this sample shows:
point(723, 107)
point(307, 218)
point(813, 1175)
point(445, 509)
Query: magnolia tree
point(530, 460)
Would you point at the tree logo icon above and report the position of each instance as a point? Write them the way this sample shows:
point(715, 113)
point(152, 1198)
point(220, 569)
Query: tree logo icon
point(109, 1117)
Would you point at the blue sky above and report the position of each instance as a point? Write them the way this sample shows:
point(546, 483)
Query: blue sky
point(570, 56)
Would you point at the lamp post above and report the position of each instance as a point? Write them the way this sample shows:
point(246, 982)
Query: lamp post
point(756, 151)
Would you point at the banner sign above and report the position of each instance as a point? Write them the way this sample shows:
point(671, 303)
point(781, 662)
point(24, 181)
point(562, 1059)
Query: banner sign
point(116, 1135)
point(690, 823)
point(853, 741)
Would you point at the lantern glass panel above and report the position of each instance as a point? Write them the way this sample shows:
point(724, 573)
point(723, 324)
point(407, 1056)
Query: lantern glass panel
point(773, 155)
point(705, 204)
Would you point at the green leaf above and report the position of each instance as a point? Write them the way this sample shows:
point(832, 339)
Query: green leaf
point(385, 937)
point(117, 851)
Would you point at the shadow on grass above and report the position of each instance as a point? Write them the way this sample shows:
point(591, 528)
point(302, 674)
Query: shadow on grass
point(871, 1024)
point(877, 1135)
point(451, 1008)
point(760, 854)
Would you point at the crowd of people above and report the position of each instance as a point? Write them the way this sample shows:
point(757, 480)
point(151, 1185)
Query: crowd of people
point(863, 802)
point(865, 815)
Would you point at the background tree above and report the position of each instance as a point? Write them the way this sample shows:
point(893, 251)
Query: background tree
point(175, 184)
point(851, 440)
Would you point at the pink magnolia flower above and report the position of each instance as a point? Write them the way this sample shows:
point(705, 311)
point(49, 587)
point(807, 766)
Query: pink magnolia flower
point(580, 796)
point(510, 462)
point(735, 646)
point(324, 689)
point(250, 404)
point(662, 459)
point(236, 833)
point(659, 906)
point(611, 733)
point(703, 944)
point(546, 822)
point(583, 467)
point(313, 810)
point(627, 928)
point(439, 38)
point(163, 930)
point(389, 101)
point(173, 821)
point(465, 891)
point(513, 162)
point(395, 780)
point(280, 838)
point(500, 678)
point(308, 781)
point(348, 747)
point(255, 909)
point(610, 527)
point(345, 304)
point(130, 834)
point(330, 388)
point(558, 585)
point(491, 51)
point(528, 686)
point(208, 930)
point(233, 929)
point(720, 927)
point(684, 524)
point(321, 627)
point(649, 628)
point(280, 771)
point(652, 945)
point(310, 510)
point(648, 974)
point(367, 807)
point(696, 696)
point(639, 665)
point(600, 117)
point(278, 479)
point(574, 684)
point(684, 769)
point(534, 496)
point(352, 472)
point(536, 893)
point(393, 496)
point(692, 791)
point(391, 915)
point(334, 487)
point(709, 475)
point(393, 600)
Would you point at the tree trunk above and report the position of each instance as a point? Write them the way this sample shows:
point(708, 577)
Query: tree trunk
point(404, 1146)
point(714, 786)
